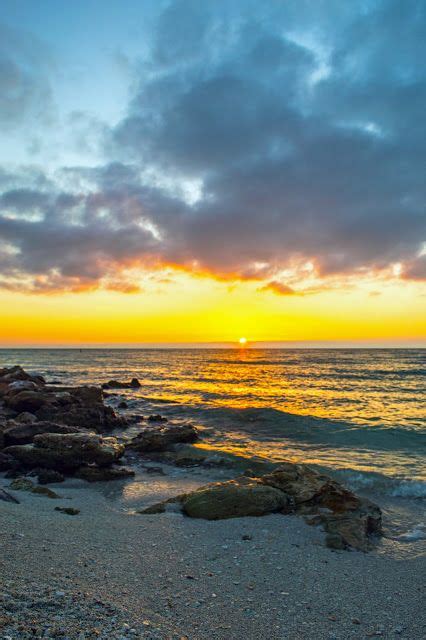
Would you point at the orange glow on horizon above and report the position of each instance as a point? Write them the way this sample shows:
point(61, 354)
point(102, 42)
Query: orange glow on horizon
point(177, 307)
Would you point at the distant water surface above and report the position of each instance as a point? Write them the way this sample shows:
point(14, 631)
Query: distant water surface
point(359, 412)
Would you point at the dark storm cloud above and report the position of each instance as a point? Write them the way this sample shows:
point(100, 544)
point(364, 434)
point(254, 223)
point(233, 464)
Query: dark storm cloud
point(257, 137)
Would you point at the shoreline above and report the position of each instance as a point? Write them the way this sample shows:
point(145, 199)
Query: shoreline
point(269, 577)
point(82, 561)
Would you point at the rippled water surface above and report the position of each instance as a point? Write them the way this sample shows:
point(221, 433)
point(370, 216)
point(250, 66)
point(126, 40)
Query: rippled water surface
point(354, 410)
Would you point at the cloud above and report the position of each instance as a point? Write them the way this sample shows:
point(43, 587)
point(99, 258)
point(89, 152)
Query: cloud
point(257, 138)
point(279, 288)
point(25, 91)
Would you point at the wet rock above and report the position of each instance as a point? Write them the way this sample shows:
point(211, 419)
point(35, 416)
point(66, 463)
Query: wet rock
point(70, 511)
point(103, 474)
point(24, 433)
point(156, 417)
point(67, 452)
point(116, 384)
point(161, 438)
point(123, 405)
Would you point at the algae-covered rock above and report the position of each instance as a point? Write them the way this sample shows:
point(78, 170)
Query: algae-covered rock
point(233, 499)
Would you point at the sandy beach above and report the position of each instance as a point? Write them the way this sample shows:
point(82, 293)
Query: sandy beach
point(110, 572)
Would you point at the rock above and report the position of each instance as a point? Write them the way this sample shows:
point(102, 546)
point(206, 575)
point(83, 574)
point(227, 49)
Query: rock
point(116, 384)
point(30, 401)
point(97, 474)
point(23, 385)
point(45, 491)
point(21, 484)
point(7, 462)
point(68, 510)
point(67, 452)
point(233, 499)
point(16, 373)
point(160, 438)
point(24, 433)
point(123, 405)
point(155, 417)
point(26, 417)
point(82, 407)
point(47, 476)
point(349, 521)
point(6, 497)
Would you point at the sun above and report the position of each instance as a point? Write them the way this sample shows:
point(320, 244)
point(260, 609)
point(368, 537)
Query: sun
point(243, 341)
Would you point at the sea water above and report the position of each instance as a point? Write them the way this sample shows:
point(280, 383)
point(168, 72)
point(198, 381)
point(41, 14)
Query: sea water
point(357, 413)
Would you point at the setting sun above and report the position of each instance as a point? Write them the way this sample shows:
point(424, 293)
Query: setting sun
point(243, 341)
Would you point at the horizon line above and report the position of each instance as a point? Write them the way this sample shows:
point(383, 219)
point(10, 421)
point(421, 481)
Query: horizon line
point(391, 343)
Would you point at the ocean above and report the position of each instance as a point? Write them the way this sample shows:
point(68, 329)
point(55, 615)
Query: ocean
point(359, 414)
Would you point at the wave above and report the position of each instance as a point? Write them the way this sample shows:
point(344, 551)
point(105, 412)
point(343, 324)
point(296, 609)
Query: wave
point(262, 423)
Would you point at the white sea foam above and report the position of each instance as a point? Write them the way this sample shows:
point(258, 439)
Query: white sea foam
point(417, 533)
point(410, 489)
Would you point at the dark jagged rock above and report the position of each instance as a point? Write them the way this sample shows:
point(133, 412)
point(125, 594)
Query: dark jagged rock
point(116, 384)
point(70, 511)
point(156, 417)
point(28, 400)
point(48, 476)
point(82, 407)
point(17, 373)
point(160, 438)
point(103, 474)
point(25, 433)
point(8, 462)
point(67, 452)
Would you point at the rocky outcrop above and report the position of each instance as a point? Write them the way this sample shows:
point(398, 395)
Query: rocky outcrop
point(349, 521)
point(16, 433)
point(24, 397)
point(116, 384)
point(82, 407)
point(160, 438)
point(92, 473)
point(17, 373)
point(67, 452)
point(233, 499)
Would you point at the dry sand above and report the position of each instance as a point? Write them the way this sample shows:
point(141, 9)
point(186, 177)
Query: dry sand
point(111, 573)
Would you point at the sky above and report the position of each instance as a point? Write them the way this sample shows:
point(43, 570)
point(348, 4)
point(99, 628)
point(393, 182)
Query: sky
point(186, 171)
